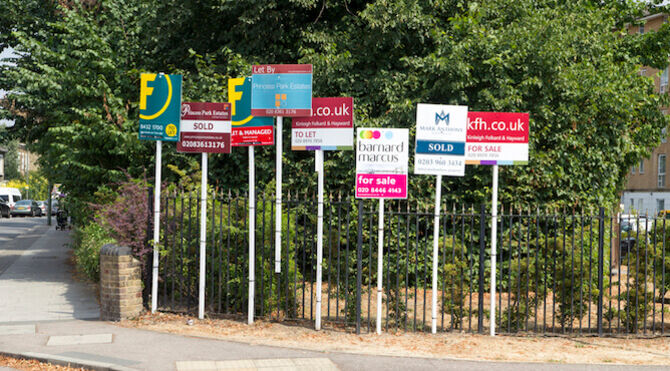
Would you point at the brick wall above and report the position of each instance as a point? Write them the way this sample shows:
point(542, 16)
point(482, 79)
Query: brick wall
point(120, 283)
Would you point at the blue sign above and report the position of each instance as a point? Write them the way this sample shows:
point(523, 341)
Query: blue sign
point(281, 90)
point(160, 106)
point(440, 148)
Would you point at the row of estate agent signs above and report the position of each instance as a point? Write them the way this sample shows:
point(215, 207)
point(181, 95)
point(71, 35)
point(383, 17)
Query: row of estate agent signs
point(447, 138)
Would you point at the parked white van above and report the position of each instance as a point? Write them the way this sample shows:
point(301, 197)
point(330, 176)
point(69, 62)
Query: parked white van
point(10, 195)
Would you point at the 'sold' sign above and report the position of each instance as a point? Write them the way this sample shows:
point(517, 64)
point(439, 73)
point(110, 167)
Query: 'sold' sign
point(440, 139)
point(281, 90)
point(497, 138)
point(205, 127)
point(331, 126)
point(381, 163)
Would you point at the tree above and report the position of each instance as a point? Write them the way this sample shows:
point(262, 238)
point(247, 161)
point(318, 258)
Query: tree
point(570, 65)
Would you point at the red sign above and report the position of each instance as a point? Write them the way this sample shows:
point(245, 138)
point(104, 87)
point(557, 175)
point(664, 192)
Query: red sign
point(253, 136)
point(497, 138)
point(205, 127)
point(280, 68)
point(497, 127)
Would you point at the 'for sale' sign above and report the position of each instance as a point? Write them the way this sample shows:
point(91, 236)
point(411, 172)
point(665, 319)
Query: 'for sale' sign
point(331, 126)
point(205, 127)
point(381, 163)
point(497, 138)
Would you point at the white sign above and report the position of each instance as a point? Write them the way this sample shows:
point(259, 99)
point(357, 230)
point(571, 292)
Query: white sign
point(440, 139)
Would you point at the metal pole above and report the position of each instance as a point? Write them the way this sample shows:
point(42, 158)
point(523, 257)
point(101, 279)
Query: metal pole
point(49, 205)
point(494, 233)
point(157, 214)
point(436, 240)
point(319, 236)
point(380, 264)
point(601, 263)
point(482, 260)
point(252, 234)
point(359, 258)
point(203, 237)
point(278, 221)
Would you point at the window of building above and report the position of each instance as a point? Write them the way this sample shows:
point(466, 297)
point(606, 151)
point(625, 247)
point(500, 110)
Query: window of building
point(632, 205)
point(664, 81)
point(643, 72)
point(632, 169)
point(641, 167)
point(640, 204)
point(661, 170)
point(641, 29)
point(664, 136)
point(660, 204)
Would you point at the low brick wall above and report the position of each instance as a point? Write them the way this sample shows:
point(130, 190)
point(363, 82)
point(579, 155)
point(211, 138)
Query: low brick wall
point(120, 283)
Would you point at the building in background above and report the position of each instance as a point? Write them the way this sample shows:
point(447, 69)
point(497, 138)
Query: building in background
point(27, 161)
point(648, 185)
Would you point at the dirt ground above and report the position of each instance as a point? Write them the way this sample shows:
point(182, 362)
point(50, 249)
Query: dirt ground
point(33, 365)
point(654, 351)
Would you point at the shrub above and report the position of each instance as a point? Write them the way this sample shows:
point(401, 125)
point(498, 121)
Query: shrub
point(88, 241)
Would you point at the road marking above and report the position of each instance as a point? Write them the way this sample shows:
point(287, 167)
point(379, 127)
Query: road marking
point(79, 339)
point(17, 329)
point(284, 364)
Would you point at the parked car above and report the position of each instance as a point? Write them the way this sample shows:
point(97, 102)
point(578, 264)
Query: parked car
point(54, 206)
point(10, 195)
point(43, 206)
point(5, 209)
point(631, 223)
point(26, 208)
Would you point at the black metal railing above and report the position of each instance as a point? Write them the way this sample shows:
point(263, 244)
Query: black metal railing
point(567, 272)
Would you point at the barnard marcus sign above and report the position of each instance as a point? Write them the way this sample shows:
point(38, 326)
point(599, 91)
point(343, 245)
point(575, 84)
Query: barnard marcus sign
point(381, 163)
point(440, 139)
point(497, 138)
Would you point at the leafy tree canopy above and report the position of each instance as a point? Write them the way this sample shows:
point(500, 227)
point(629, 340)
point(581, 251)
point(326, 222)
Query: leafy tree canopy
point(571, 65)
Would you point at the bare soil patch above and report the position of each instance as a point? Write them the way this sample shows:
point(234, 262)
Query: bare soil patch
point(454, 345)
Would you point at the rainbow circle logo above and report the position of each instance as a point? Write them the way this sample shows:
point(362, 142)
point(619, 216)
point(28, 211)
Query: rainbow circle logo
point(374, 134)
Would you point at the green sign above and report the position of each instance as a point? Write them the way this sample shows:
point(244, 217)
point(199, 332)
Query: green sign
point(160, 106)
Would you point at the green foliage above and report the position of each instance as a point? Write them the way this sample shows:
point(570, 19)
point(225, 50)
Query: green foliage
point(571, 65)
point(12, 160)
point(87, 242)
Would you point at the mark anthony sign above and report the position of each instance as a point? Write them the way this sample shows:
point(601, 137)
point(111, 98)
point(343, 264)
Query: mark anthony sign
point(440, 139)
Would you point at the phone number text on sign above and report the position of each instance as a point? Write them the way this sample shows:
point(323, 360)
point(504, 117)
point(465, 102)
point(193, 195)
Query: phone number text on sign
point(199, 144)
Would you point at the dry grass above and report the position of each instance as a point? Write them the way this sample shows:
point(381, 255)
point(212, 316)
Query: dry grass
point(442, 345)
point(33, 365)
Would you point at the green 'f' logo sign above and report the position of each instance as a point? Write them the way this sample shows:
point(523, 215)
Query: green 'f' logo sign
point(160, 106)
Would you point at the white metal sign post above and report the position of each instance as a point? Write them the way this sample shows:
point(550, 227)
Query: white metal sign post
point(440, 150)
point(205, 128)
point(157, 224)
point(249, 131)
point(496, 138)
point(329, 128)
point(160, 106)
point(381, 172)
point(281, 90)
point(278, 196)
point(203, 237)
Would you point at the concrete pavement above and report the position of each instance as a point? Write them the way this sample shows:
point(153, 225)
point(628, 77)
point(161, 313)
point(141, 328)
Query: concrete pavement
point(43, 311)
point(38, 285)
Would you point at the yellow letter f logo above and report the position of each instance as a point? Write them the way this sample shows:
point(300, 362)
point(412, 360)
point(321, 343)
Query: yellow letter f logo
point(145, 90)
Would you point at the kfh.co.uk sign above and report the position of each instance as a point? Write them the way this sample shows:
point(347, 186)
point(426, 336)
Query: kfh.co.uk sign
point(497, 138)
point(381, 163)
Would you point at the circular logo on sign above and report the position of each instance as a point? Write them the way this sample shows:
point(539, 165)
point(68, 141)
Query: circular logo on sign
point(171, 130)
